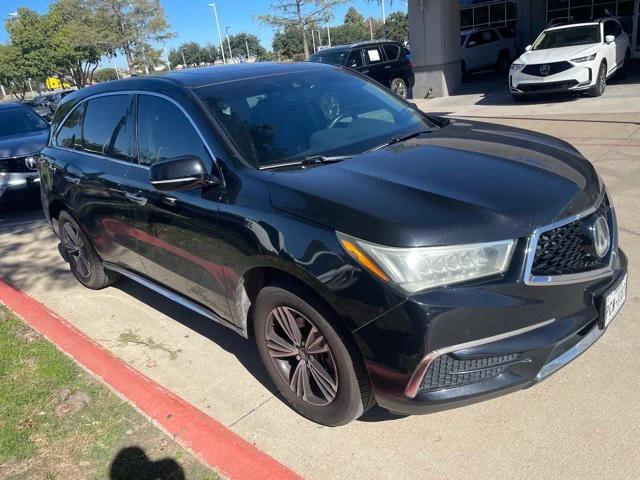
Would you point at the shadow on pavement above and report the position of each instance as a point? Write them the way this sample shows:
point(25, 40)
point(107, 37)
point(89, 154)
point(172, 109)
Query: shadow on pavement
point(243, 349)
point(132, 463)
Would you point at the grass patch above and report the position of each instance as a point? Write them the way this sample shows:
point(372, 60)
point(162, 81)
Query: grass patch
point(58, 422)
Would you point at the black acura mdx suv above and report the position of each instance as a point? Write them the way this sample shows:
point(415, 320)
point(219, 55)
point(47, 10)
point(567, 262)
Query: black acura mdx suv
point(388, 63)
point(376, 254)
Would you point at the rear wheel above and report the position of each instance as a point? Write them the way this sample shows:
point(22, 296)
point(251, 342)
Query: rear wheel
point(399, 87)
point(601, 82)
point(313, 362)
point(85, 263)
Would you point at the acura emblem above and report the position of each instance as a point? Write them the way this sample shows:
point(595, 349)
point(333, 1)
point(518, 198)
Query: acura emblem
point(31, 163)
point(601, 236)
point(545, 69)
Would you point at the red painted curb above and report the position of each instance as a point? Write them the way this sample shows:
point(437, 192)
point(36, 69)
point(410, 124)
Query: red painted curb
point(217, 446)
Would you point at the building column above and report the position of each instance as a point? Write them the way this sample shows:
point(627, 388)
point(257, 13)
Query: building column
point(434, 36)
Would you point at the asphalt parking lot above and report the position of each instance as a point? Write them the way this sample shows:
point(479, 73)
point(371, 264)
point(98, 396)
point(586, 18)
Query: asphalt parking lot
point(581, 423)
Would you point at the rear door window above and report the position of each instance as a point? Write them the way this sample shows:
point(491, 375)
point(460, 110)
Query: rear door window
point(165, 132)
point(373, 55)
point(107, 128)
point(392, 51)
point(70, 134)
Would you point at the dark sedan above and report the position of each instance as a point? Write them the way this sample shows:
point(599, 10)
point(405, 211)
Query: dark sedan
point(374, 253)
point(23, 133)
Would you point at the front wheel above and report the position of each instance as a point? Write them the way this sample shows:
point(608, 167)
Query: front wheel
point(601, 82)
point(313, 362)
point(399, 87)
point(85, 263)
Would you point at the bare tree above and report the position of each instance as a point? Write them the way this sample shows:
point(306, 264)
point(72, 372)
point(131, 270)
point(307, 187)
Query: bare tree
point(301, 14)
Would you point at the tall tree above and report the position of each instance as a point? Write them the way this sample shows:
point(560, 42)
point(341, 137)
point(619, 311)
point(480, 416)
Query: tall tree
point(241, 41)
point(353, 16)
point(28, 54)
point(398, 27)
point(288, 44)
point(192, 54)
point(135, 24)
point(79, 36)
point(300, 13)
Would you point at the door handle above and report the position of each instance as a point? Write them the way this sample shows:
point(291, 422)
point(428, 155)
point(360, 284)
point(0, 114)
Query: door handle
point(387, 67)
point(137, 199)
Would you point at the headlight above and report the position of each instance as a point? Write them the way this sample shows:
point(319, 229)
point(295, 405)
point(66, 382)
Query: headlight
point(516, 67)
point(420, 268)
point(588, 58)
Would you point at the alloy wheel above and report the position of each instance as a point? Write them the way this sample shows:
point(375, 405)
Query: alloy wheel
point(302, 356)
point(602, 80)
point(77, 250)
point(399, 88)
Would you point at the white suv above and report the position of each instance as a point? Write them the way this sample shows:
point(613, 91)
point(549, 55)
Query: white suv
point(487, 48)
point(574, 58)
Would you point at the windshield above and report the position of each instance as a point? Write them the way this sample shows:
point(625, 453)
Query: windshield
point(332, 57)
point(20, 120)
point(568, 37)
point(330, 112)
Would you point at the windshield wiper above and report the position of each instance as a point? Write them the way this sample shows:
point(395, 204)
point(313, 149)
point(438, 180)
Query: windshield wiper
point(306, 162)
point(399, 138)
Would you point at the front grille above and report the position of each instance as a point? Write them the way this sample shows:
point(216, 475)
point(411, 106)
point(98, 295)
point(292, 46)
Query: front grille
point(14, 165)
point(541, 87)
point(568, 249)
point(446, 371)
point(555, 67)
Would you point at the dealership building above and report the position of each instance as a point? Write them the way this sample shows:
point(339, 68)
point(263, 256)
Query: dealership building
point(434, 30)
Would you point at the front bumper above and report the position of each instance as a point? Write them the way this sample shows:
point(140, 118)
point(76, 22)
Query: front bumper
point(549, 326)
point(18, 185)
point(576, 79)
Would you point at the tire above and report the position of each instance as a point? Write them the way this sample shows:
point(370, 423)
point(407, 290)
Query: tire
point(623, 73)
point(347, 394)
point(601, 82)
point(85, 263)
point(399, 87)
point(502, 63)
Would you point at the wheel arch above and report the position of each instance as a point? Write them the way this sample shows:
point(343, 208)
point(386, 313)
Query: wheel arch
point(258, 277)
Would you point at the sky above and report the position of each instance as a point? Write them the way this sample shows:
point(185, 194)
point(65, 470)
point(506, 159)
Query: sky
point(192, 20)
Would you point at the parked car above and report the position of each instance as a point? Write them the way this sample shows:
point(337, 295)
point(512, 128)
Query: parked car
point(23, 133)
point(375, 254)
point(386, 62)
point(483, 48)
point(572, 58)
point(45, 105)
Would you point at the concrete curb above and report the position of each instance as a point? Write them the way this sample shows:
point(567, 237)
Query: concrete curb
point(214, 444)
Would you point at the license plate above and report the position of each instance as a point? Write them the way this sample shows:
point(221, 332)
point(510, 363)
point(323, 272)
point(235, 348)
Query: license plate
point(614, 300)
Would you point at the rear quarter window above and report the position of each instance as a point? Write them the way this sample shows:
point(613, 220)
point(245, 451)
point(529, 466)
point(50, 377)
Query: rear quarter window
point(70, 133)
point(391, 51)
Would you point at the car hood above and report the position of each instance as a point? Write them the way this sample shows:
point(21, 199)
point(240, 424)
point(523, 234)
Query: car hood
point(549, 55)
point(468, 182)
point(23, 143)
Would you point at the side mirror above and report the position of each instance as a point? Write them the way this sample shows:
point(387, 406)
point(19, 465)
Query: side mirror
point(180, 173)
point(527, 48)
point(471, 43)
point(609, 39)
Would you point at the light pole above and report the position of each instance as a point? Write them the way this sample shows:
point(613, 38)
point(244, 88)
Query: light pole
point(384, 21)
point(226, 31)
point(215, 13)
point(329, 35)
point(371, 29)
